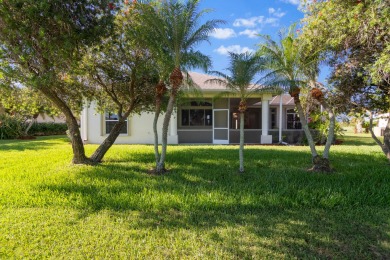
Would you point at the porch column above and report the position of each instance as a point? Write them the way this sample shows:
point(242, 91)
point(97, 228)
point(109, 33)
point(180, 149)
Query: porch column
point(173, 138)
point(280, 118)
point(265, 137)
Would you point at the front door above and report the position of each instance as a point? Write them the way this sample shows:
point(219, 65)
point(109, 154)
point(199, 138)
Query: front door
point(221, 126)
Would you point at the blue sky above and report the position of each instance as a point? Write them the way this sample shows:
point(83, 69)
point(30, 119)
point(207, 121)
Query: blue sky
point(244, 20)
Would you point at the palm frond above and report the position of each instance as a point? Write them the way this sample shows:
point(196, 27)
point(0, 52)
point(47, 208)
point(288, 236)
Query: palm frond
point(286, 64)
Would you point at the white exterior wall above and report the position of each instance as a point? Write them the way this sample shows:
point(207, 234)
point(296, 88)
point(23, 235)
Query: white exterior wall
point(382, 122)
point(140, 128)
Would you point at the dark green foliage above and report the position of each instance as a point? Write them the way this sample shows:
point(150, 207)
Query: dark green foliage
point(320, 122)
point(45, 38)
point(11, 127)
point(41, 46)
point(48, 129)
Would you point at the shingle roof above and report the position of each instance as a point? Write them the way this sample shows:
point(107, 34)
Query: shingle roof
point(200, 80)
point(286, 100)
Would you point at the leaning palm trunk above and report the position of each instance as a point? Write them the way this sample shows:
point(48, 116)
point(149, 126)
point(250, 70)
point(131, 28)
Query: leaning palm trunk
point(319, 163)
point(176, 79)
point(305, 127)
point(160, 91)
point(160, 167)
point(332, 123)
point(155, 132)
point(323, 164)
point(386, 139)
point(241, 151)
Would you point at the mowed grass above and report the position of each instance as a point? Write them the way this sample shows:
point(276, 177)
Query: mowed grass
point(201, 209)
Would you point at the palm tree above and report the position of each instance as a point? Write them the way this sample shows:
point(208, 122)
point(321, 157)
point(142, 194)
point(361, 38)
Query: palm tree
point(243, 69)
point(174, 28)
point(288, 64)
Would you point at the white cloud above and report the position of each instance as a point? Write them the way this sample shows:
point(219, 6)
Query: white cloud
point(250, 33)
point(225, 33)
point(257, 21)
point(232, 48)
point(276, 12)
point(294, 2)
point(272, 21)
point(250, 22)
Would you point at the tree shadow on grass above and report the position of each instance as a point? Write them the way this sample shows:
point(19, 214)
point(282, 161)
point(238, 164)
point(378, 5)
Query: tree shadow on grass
point(35, 144)
point(304, 215)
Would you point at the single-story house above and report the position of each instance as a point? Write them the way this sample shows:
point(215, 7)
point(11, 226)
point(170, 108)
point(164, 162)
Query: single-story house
point(270, 118)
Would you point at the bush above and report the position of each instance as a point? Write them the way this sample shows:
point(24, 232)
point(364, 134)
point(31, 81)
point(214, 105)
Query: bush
point(11, 126)
point(48, 129)
point(320, 122)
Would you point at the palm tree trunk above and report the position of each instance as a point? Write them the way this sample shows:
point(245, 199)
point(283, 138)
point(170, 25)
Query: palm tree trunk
point(332, 123)
point(79, 156)
point(241, 151)
point(323, 164)
point(305, 127)
point(155, 120)
point(160, 167)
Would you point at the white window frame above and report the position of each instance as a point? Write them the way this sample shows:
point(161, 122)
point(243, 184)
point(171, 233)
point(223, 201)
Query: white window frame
point(114, 120)
point(189, 108)
point(290, 113)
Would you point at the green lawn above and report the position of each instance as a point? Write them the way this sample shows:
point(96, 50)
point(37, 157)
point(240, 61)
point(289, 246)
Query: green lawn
point(202, 209)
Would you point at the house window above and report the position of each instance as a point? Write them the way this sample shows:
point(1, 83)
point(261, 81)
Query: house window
point(273, 118)
point(197, 114)
point(196, 117)
point(293, 120)
point(111, 120)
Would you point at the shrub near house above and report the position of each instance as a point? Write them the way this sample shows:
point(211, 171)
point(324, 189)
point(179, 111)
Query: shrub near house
point(14, 126)
point(39, 129)
point(10, 126)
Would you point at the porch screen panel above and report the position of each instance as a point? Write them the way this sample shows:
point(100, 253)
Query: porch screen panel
point(221, 119)
point(221, 134)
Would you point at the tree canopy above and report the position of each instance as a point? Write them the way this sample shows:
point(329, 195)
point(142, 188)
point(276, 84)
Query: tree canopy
point(41, 45)
point(354, 36)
